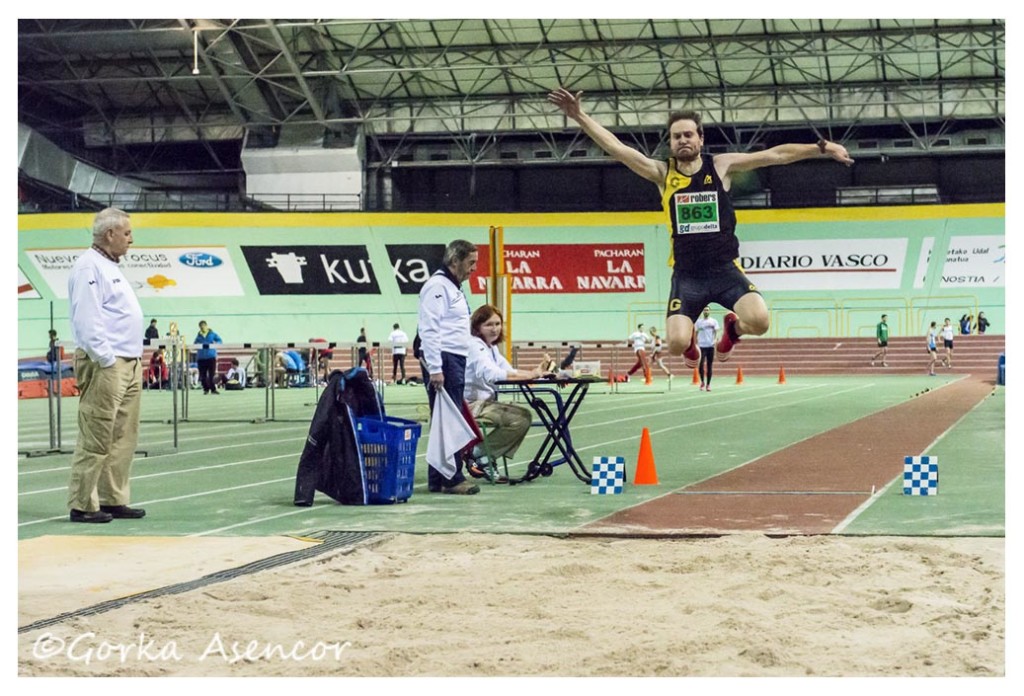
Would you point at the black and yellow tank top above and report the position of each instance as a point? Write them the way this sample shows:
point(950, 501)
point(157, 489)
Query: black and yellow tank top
point(701, 218)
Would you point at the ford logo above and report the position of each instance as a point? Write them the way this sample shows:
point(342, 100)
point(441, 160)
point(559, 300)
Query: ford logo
point(199, 259)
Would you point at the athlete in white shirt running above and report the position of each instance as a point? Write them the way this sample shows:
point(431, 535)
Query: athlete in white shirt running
point(639, 339)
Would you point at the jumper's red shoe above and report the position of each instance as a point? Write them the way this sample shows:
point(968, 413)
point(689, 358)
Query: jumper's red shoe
point(691, 356)
point(729, 338)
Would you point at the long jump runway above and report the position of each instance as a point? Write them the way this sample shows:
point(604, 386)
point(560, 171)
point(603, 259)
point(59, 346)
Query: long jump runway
point(809, 487)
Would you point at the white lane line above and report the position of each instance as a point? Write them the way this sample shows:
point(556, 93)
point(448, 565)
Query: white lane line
point(207, 467)
point(587, 447)
point(839, 528)
point(143, 460)
point(174, 499)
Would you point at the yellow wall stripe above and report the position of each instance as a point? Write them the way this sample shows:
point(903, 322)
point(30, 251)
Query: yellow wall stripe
point(485, 220)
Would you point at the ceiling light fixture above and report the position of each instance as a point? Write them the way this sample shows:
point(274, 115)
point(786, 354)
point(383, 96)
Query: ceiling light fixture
point(195, 51)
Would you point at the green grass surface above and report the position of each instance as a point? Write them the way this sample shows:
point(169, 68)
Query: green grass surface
point(231, 476)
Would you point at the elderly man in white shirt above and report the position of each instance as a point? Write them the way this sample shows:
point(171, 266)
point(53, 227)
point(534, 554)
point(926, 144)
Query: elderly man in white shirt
point(444, 343)
point(106, 326)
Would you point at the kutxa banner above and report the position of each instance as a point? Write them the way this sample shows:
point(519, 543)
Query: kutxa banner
point(311, 270)
point(567, 268)
point(413, 264)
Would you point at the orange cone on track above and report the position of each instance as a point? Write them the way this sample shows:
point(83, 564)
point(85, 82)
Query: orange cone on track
point(782, 375)
point(646, 474)
point(696, 376)
point(739, 375)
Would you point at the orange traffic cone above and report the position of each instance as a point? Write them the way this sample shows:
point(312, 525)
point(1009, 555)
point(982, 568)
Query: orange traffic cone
point(782, 375)
point(646, 474)
point(739, 375)
point(696, 376)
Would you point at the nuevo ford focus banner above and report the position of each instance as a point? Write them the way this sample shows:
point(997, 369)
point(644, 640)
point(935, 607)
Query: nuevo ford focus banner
point(185, 271)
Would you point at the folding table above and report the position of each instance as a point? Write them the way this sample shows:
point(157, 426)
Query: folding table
point(555, 410)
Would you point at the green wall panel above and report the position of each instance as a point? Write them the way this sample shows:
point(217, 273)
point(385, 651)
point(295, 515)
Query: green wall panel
point(809, 306)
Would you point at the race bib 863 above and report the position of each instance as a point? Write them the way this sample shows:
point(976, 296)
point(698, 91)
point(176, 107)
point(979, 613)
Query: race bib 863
point(696, 212)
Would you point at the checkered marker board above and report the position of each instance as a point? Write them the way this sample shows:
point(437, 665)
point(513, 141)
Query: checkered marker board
point(920, 476)
point(609, 473)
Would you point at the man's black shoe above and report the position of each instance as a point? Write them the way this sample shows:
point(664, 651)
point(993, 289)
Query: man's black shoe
point(123, 512)
point(98, 516)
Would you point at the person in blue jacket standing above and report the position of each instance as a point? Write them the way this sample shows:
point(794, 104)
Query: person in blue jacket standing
point(206, 357)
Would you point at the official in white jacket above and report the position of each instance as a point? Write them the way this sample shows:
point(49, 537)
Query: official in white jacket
point(106, 325)
point(444, 343)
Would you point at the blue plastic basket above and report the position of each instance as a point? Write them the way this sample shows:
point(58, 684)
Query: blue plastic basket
point(389, 453)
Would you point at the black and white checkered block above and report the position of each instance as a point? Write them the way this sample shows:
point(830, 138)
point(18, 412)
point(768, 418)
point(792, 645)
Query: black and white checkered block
point(920, 476)
point(609, 473)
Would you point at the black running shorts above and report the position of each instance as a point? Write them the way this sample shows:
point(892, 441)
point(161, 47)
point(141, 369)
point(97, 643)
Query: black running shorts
point(723, 285)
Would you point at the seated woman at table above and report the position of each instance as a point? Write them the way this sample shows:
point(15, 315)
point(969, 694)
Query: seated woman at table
point(506, 423)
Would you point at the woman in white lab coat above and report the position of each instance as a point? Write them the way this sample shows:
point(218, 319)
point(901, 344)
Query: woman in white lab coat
point(506, 423)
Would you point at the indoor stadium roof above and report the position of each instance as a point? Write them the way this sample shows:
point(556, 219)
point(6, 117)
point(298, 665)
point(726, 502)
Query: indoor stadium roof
point(111, 83)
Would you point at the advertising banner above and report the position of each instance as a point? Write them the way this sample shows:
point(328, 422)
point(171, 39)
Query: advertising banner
point(26, 291)
point(924, 260)
point(825, 264)
point(412, 264)
point(152, 271)
point(567, 268)
point(311, 270)
point(973, 262)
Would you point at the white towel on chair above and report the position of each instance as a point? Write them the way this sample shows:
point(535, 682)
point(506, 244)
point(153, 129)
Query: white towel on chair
point(449, 433)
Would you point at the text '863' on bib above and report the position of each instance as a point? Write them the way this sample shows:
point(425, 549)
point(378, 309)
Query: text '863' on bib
point(696, 212)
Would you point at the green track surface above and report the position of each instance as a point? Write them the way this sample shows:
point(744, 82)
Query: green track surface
point(231, 476)
point(971, 500)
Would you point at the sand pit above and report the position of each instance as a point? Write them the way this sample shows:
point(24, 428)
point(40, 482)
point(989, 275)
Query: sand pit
point(493, 605)
point(58, 574)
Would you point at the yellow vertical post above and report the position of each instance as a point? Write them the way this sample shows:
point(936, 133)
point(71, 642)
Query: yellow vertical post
point(499, 285)
point(496, 248)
